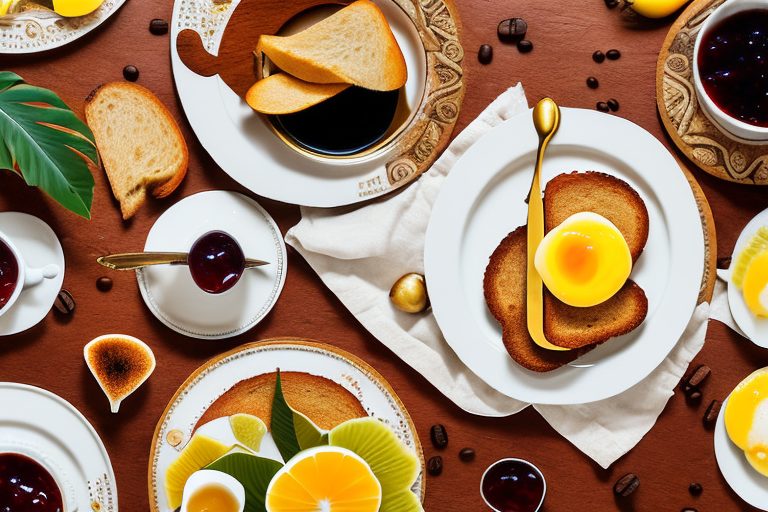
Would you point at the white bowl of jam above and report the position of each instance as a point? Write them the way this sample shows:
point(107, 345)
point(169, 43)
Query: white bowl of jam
point(730, 69)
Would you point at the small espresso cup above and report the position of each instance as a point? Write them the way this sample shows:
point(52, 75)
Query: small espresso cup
point(27, 276)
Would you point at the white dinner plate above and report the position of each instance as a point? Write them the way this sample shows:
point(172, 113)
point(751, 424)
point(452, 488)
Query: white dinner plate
point(750, 485)
point(39, 246)
point(172, 295)
point(483, 199)
point(217, 376)
point(245, 147)
point(754, 328)
point(48, 429)
point(37, 32)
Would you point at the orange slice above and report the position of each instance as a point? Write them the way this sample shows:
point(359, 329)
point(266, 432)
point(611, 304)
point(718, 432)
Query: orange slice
point(324, 479)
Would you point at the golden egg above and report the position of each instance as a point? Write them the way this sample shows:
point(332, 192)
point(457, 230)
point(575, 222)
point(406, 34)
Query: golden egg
point(409, 293)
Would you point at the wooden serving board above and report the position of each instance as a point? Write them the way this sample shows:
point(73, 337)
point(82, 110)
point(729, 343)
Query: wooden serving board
point(705, 144)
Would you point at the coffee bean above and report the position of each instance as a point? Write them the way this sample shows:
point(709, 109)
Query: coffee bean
point(713, 411)
point(592, 83)
point(613, 54)
point(695, 489)
point(439, 436)
point(694, 396)
point(131, 73)
point(64, 303)
point(467, 454)
point(626, 485)
point(697, 377)
point(598, 56)
point(611, 3)
point(435, 465)
point(602, 106)
point(512, 30)
point(524, 46)
point(485, 54)
point(104, 284)
point(613, 104)
point(158, 27)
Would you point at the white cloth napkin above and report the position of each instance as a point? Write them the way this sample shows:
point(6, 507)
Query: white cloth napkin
point(359, 253)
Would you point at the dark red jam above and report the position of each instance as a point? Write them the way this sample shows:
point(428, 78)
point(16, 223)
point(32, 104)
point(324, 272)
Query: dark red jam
point(513, 486)
point(9, 275)
point(216, 262)
point(733, 65)
point(26, 486)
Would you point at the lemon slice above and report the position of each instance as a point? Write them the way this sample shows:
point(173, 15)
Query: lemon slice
point(4, 6)
point(249, 430)
point(74, 8)
point(757, 244)
point(199, 452)
point(324, 479)
point(394, 465)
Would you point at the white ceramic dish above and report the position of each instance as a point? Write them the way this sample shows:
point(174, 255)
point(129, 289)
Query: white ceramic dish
point(750, 485)
point(30, 33)
point(39, 247)
point(482, 201)
point(244, 146)
point(746, 132)
point(47, 428)
point(172, 295)
point(217, 376)
point(751, 326)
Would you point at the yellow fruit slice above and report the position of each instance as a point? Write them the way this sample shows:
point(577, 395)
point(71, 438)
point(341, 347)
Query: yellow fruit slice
point(199, 452)
point(248, 429)
point(757, 244)
point(74, 8)
point(755, 285)
point(394, 465)
point(4, 6)
point(324, 479)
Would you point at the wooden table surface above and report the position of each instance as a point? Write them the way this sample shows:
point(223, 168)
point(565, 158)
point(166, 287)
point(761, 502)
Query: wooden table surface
point(676, 452)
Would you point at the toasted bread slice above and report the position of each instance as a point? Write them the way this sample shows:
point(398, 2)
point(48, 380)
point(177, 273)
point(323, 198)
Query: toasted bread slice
point(353, 46)
point(285, 94)
point(139, 141)
point(323, 401)
point(580, 329)
point(603, 194)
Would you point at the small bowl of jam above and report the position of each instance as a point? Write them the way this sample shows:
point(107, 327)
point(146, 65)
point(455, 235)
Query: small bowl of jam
point(27, 486)
point(513, 485)
point(730, 69)
point(216, 262)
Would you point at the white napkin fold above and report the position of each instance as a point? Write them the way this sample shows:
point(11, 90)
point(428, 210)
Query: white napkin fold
point(359, 253)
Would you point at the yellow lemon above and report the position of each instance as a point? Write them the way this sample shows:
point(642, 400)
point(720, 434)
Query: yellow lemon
point(324, 479)
point(74, 8)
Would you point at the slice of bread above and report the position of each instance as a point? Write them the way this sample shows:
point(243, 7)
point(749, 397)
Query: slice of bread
point(353, 46)
point(323, 401)
point(139, 141)
point(285, 94)
point(580, 329)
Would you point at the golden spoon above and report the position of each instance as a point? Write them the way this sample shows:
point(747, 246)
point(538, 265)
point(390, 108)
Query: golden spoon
point(136, 260)
point(546, 119)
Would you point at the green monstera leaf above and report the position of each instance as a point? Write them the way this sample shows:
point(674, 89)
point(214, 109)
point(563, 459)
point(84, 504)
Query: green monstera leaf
point(42, 140)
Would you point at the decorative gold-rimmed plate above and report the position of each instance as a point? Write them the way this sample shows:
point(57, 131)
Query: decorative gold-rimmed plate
point(246, 147)
point(39, 31)
point(217, 376)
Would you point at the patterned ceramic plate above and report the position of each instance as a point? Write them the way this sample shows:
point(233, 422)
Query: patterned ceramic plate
point(38, 32)
point(246, 147)
point(218, 375)
point(45, 427)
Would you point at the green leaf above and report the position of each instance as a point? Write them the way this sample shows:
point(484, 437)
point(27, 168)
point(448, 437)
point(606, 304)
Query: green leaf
point(292, 431)
point(44, 141)
point(253, 472)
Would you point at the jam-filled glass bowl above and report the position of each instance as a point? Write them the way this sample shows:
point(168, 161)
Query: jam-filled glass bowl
point(513, 485)
point(730, 69)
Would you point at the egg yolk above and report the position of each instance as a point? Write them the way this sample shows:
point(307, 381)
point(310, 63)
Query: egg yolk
point(584, 261)
point(755, 285)
point(213, 498)
point(74, 8)
point(746, 419)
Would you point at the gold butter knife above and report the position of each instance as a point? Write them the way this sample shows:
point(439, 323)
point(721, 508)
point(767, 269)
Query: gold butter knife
point(546, 119)
point(136, 260)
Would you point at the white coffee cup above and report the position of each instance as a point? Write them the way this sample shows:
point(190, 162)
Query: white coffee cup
point(28, 276)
